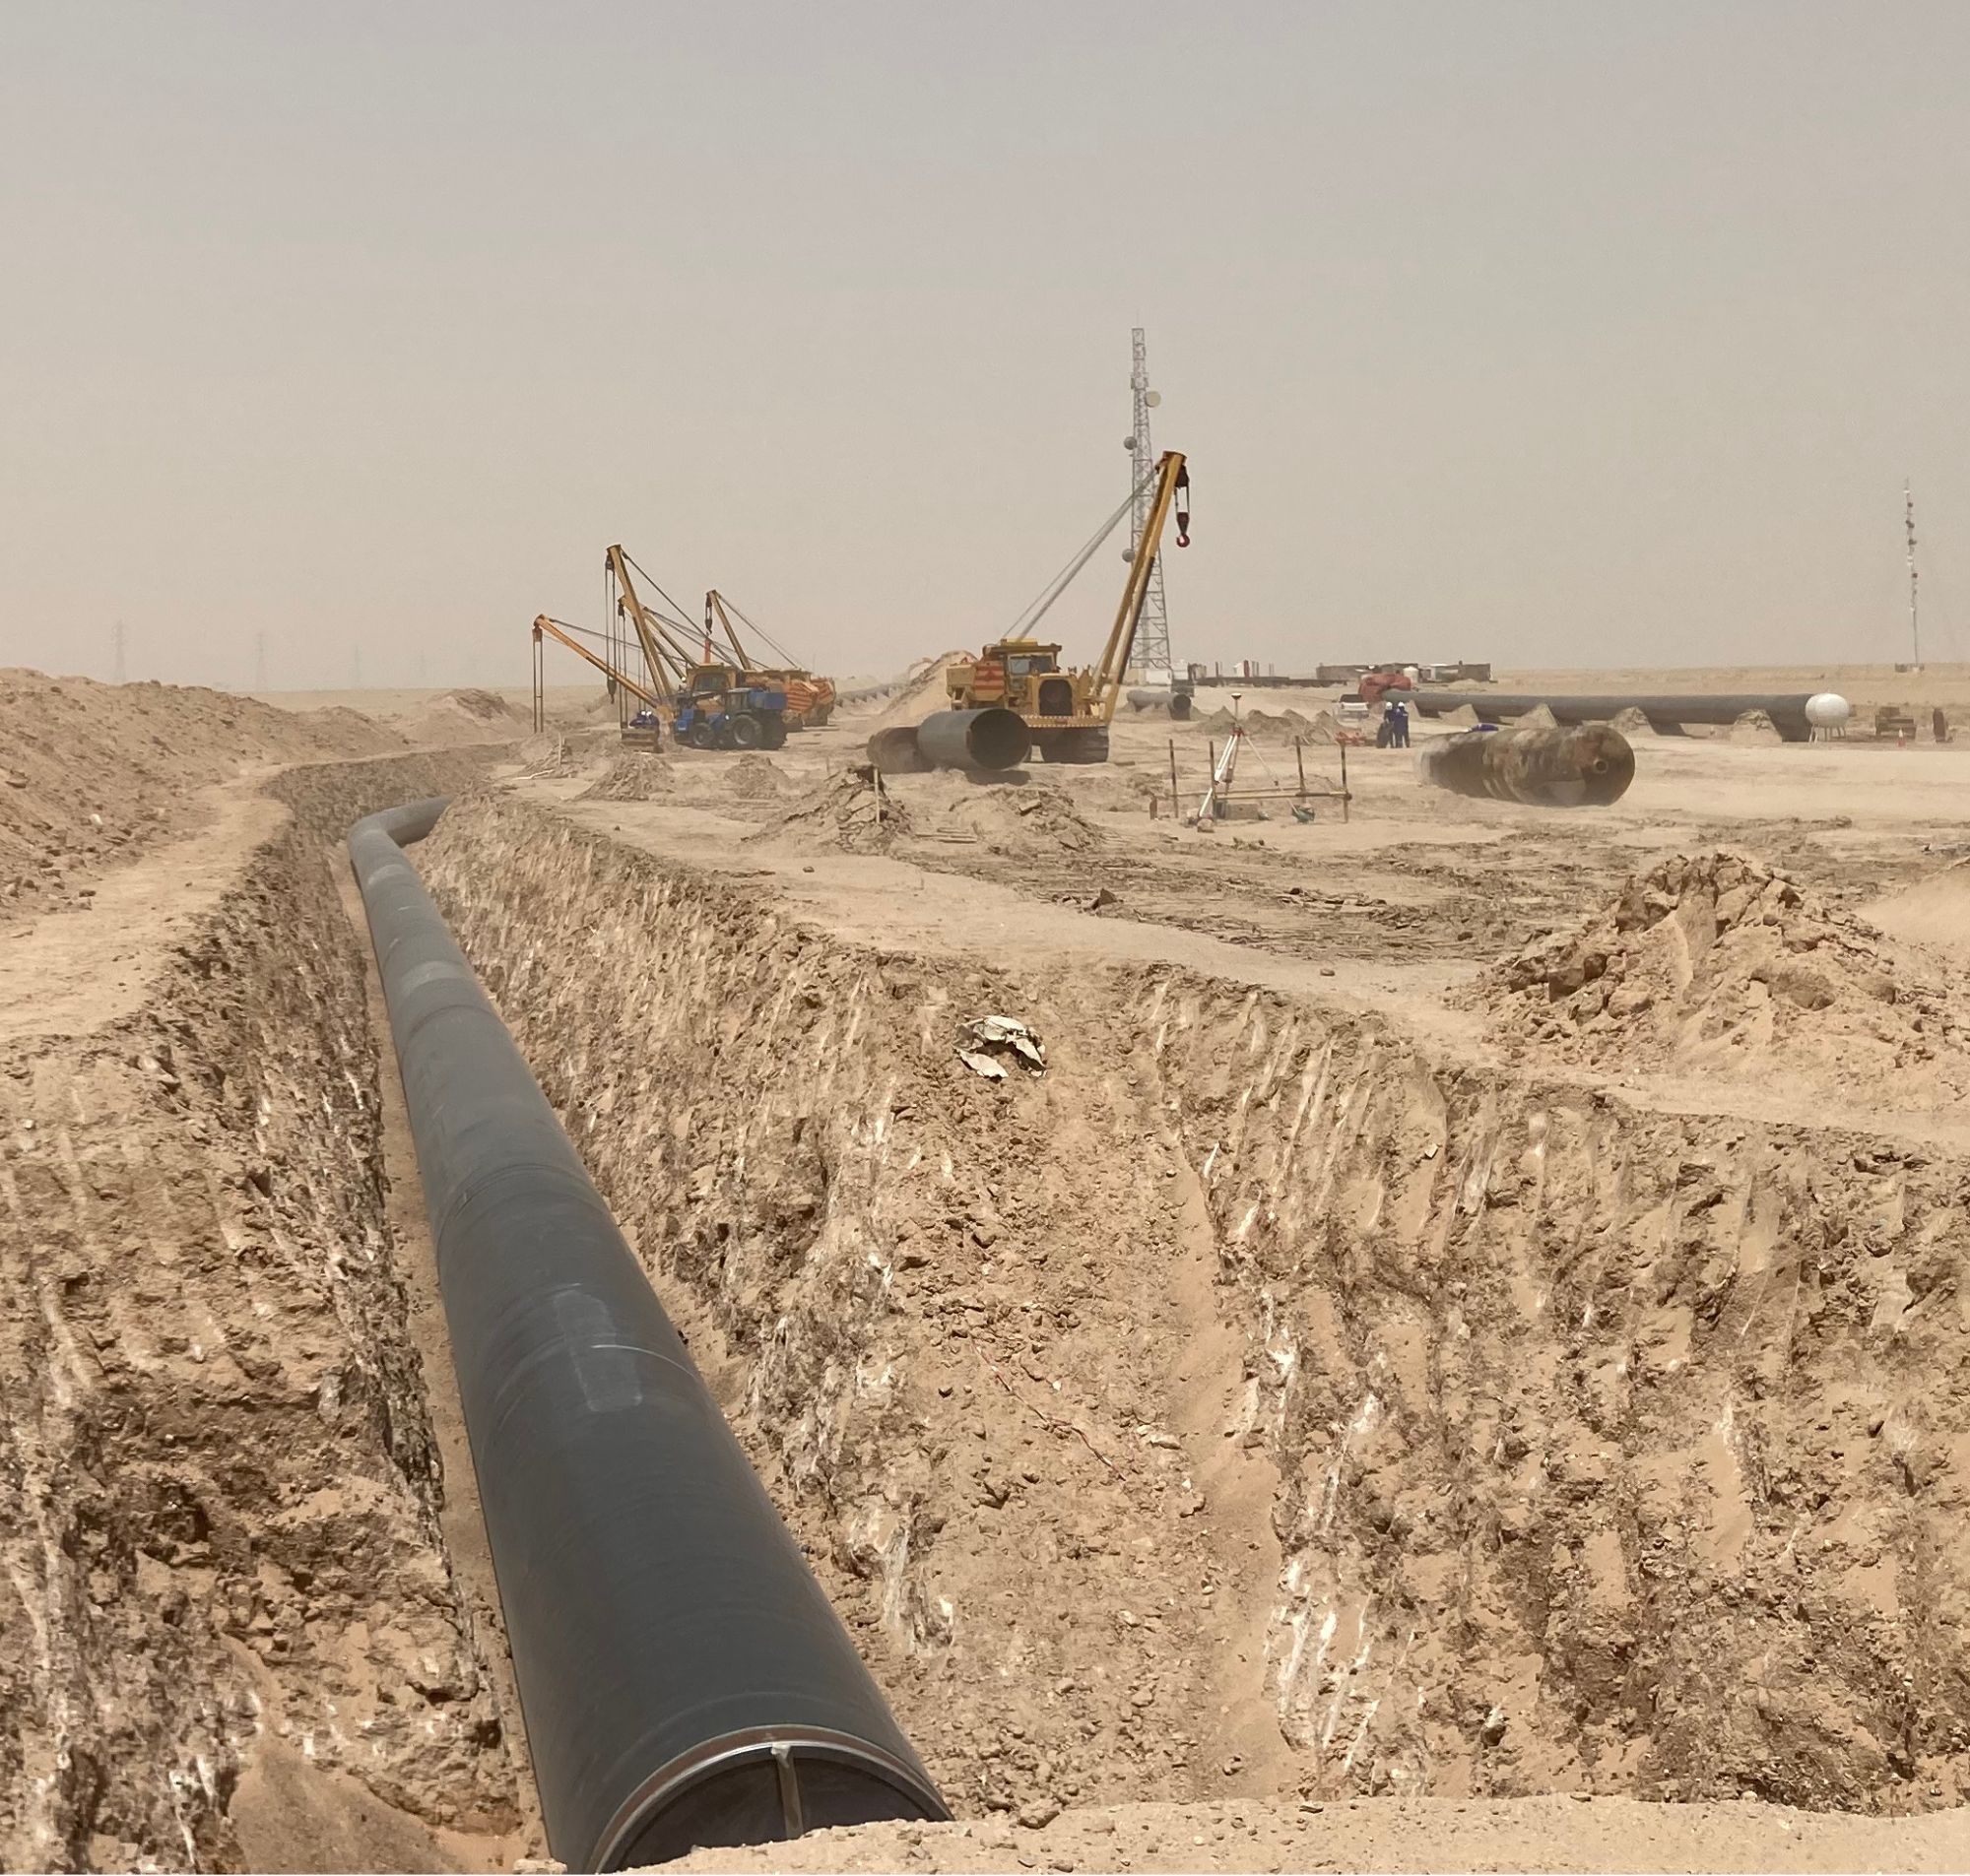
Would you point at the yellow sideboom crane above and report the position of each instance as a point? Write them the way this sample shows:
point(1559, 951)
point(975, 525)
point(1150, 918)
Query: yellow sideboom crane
point(1069, 712)
point(715, 705)
point(639, 731)
point(810, 700)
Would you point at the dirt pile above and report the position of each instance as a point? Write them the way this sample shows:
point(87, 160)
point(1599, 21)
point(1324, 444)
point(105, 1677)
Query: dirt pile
point(1544, 1835)
point(923, 692)
point(847, 811)
point(638, 776)
point(1719, 965)
point(1935, 911)
point(92, 774)
point(1322, 727)
point(549, 757)
point(756, 778)
point(1539, 717)
point(1633, 723)
point(1014, 818)
point(465, 716)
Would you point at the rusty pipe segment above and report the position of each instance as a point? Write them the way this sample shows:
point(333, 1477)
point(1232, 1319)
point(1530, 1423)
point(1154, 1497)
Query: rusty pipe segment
point(1588, 766)
point(1667, 716)
point(894, 752)
point(683, 1678)
point(993, 738)
point(1175, 702)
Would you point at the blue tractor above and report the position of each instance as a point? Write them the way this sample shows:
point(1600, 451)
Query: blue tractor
point(717, 709)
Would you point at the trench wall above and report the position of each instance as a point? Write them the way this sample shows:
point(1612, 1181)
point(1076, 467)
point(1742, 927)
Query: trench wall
point(1617, 1449)
point(228, 1631)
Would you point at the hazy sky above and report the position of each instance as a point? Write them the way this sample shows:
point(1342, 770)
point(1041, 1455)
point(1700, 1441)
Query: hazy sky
point(1559, 333)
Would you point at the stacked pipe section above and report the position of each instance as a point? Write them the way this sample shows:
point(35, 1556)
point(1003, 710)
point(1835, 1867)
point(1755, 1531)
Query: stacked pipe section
point(683, 1678)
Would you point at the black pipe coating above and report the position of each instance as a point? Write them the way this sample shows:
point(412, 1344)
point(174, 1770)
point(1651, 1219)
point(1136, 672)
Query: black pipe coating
point(1665, 714)
point(684, 1680)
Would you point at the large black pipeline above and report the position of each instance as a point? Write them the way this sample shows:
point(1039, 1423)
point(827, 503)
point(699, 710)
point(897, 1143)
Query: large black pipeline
point(1588, 766)
point(991, 739)
point(1665, 714)
point(683, 1678)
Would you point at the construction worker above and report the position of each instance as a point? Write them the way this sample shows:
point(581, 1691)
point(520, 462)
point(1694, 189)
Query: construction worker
point(1397, 717)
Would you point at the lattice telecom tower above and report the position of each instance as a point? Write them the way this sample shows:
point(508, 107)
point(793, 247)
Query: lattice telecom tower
point(1152, 644)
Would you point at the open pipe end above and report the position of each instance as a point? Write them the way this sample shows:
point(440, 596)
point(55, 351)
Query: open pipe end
point(994, 738)
point(762, 1787)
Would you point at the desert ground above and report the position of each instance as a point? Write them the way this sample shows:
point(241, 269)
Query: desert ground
point(1459, 1360)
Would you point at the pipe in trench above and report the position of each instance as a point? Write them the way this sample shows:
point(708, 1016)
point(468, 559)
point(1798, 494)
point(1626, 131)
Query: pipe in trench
point(1589, 767)
point(684, 1677)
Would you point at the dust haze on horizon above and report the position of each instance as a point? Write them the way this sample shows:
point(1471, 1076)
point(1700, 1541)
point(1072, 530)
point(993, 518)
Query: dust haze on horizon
point(1558, 335)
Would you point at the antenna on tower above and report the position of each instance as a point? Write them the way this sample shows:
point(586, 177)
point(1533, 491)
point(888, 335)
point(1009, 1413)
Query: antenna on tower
point(1152, 644)
point(1914, 630)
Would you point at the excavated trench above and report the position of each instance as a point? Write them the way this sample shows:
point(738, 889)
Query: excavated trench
point(1254, 1405)
point(230, 1632)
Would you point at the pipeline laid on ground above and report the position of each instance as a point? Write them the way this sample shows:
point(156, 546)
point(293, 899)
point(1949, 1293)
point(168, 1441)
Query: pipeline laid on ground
point(1581, 767)
point(1667, 714)
point(683, 1678)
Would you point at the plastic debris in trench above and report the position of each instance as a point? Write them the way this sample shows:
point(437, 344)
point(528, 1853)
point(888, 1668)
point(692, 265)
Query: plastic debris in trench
point(993, 1042)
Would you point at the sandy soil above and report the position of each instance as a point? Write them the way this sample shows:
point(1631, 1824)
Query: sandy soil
point(1456, 1362)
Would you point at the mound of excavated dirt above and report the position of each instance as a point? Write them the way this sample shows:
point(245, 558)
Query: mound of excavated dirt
point(1716, 963)
point(1394, 1833)
point(1933, 911)
point(1757, 728)
point(1633, 723)
point(464, 716)
point(637, 776)
point(1010, 817)
point(1539, 717)
point(844, 811)
point(1218, 723)
point(924, 694)
point(549, 757)
point(1322, 727)
point(91, 774)
point(1116, 787)
point(756, 778)
point(1267, 727)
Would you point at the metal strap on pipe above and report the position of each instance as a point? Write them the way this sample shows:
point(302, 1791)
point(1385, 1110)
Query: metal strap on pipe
point(683, 1678)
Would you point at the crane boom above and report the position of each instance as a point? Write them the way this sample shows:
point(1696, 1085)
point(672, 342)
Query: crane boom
point(553, 628)
point(1172, 487)
point(664, 662)
point(714, 603)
